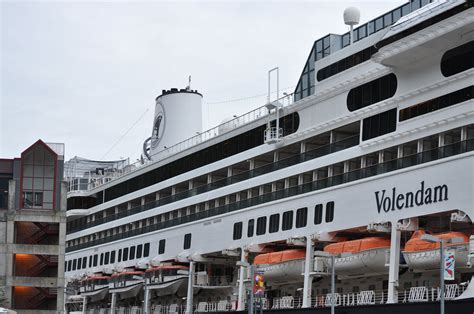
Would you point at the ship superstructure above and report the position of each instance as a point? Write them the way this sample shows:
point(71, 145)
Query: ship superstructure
point(373, 151)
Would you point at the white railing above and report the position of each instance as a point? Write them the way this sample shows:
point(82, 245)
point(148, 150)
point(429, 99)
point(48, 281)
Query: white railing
point(195, 140)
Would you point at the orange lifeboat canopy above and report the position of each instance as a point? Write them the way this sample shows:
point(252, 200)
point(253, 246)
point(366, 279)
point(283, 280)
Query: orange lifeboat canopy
point(415, 244)
point(279, 257)
point(356, 246)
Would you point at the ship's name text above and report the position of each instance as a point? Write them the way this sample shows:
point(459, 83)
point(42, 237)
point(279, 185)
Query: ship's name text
point(423, 196)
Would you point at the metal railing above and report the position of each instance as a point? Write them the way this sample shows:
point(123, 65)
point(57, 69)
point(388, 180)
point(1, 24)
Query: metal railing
point(373, 170)
point(81, 223)
point(202, 137)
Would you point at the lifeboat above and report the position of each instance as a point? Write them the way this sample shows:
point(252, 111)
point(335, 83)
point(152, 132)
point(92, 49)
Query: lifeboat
point(422, 255)
point(126, 283)
point(166, 280)
point(95, 287)
point(281, 267)
point(363, 257)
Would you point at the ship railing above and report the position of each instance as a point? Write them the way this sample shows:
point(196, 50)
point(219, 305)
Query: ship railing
point(200, 138)
point(205, 280)
point(356, 174)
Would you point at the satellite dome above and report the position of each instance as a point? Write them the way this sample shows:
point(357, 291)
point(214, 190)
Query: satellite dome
point(351, 16)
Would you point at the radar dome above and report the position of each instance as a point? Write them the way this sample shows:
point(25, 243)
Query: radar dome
point(351, 16)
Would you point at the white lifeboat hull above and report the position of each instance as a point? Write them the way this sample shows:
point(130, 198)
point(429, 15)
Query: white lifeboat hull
point(429, 259)
point(282, 273)
point(362, 264)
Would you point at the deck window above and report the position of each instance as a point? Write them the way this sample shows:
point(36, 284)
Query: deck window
point(329, 211)
point(274, 223)
point(250, 227)
point(261, 225)
point(287, 223)
point(318, 214)
point(301, 217)
point(237, 231)
point(187, 241)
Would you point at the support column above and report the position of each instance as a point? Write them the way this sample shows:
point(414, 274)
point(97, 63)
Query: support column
point(84, 305)
point(241, 295)
point(146, 300)
point(308, 279)
point(113, 303)
point(394, 264)
point(189, 297)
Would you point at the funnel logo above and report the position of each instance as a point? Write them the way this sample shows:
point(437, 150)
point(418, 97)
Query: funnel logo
point(158, 126)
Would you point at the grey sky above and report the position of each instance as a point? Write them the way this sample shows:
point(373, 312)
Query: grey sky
point(82, 72)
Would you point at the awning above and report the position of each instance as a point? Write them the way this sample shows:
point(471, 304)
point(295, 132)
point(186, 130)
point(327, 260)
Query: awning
point(96, 295)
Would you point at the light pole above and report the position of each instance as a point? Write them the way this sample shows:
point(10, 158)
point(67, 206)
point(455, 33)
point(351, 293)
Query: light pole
point(433, 239)
point(252, 275)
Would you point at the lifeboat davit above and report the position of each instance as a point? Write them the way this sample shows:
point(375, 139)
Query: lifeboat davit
point(363, 257)
point(422, 255)
point(281, 267)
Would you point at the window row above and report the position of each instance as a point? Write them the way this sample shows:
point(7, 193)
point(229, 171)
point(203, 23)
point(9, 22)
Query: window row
point(346, 63)
point(393, 158)
point(128, 253)
point(438, 103)
point(379, 124)
point(260, 226)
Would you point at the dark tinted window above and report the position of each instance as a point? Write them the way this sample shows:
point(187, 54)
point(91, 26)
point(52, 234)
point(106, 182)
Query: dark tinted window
point(274, 223)
point(112, 257)
point(74, 264)
point(379, 124)
point(90, 261)
point(287, 222)
point(250, 228)
point(372, 92)
point(101, 259)
point(458, 59)
point(329, 211)
point(139, 250)
point(237, 231)
point(132, 252)
point(146, 250)
point(125, 254)
point(69, 265)
point(95, 260)
point(437, 103)
point(120, 255)
point(106, 258)
point(318, 214)
point(301, 217)
point(346, 63)
point(161, 246)
point(187, 241)
point(261, 225)
point(84, 262)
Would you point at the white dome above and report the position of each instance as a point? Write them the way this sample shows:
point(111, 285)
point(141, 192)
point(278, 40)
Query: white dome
point(351, 16)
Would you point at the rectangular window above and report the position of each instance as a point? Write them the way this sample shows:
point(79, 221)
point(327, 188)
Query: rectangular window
point(161, 246)
point(329, 211)
point(101, 259)
point(379, 124)
point(287, 223)
point(90, 261)
point(250, 227)
point(95, 260)
point(84, 262)
point(146, 250)
point(261, 225)
point(106, 258)
point(274, 223)
point(74, 264)
point(318, 214)
point(112, 257)
point(69, 265)
point(187, 241)
point(132, 252)
point(237, 234)
point(125, 254)
point(139, 250)
point(38, 199)
point(301, 217)
point(120, 255)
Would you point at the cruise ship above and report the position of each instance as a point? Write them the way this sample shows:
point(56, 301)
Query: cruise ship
point(354, 193)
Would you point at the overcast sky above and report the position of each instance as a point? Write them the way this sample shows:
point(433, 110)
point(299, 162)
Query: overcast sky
point(83, 72)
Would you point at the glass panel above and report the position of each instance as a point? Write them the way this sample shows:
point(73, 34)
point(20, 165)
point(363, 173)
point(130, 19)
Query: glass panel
point(397, 14)
point(48, 159)
point(38, 184)
point(27, 170)
point(38, 171)
point(48, 184)
point(27, 183)
point(38, 199)
point(39, 155)
point(48, 196)
point(28, 158)
point(49, 172)
point(371, 27)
